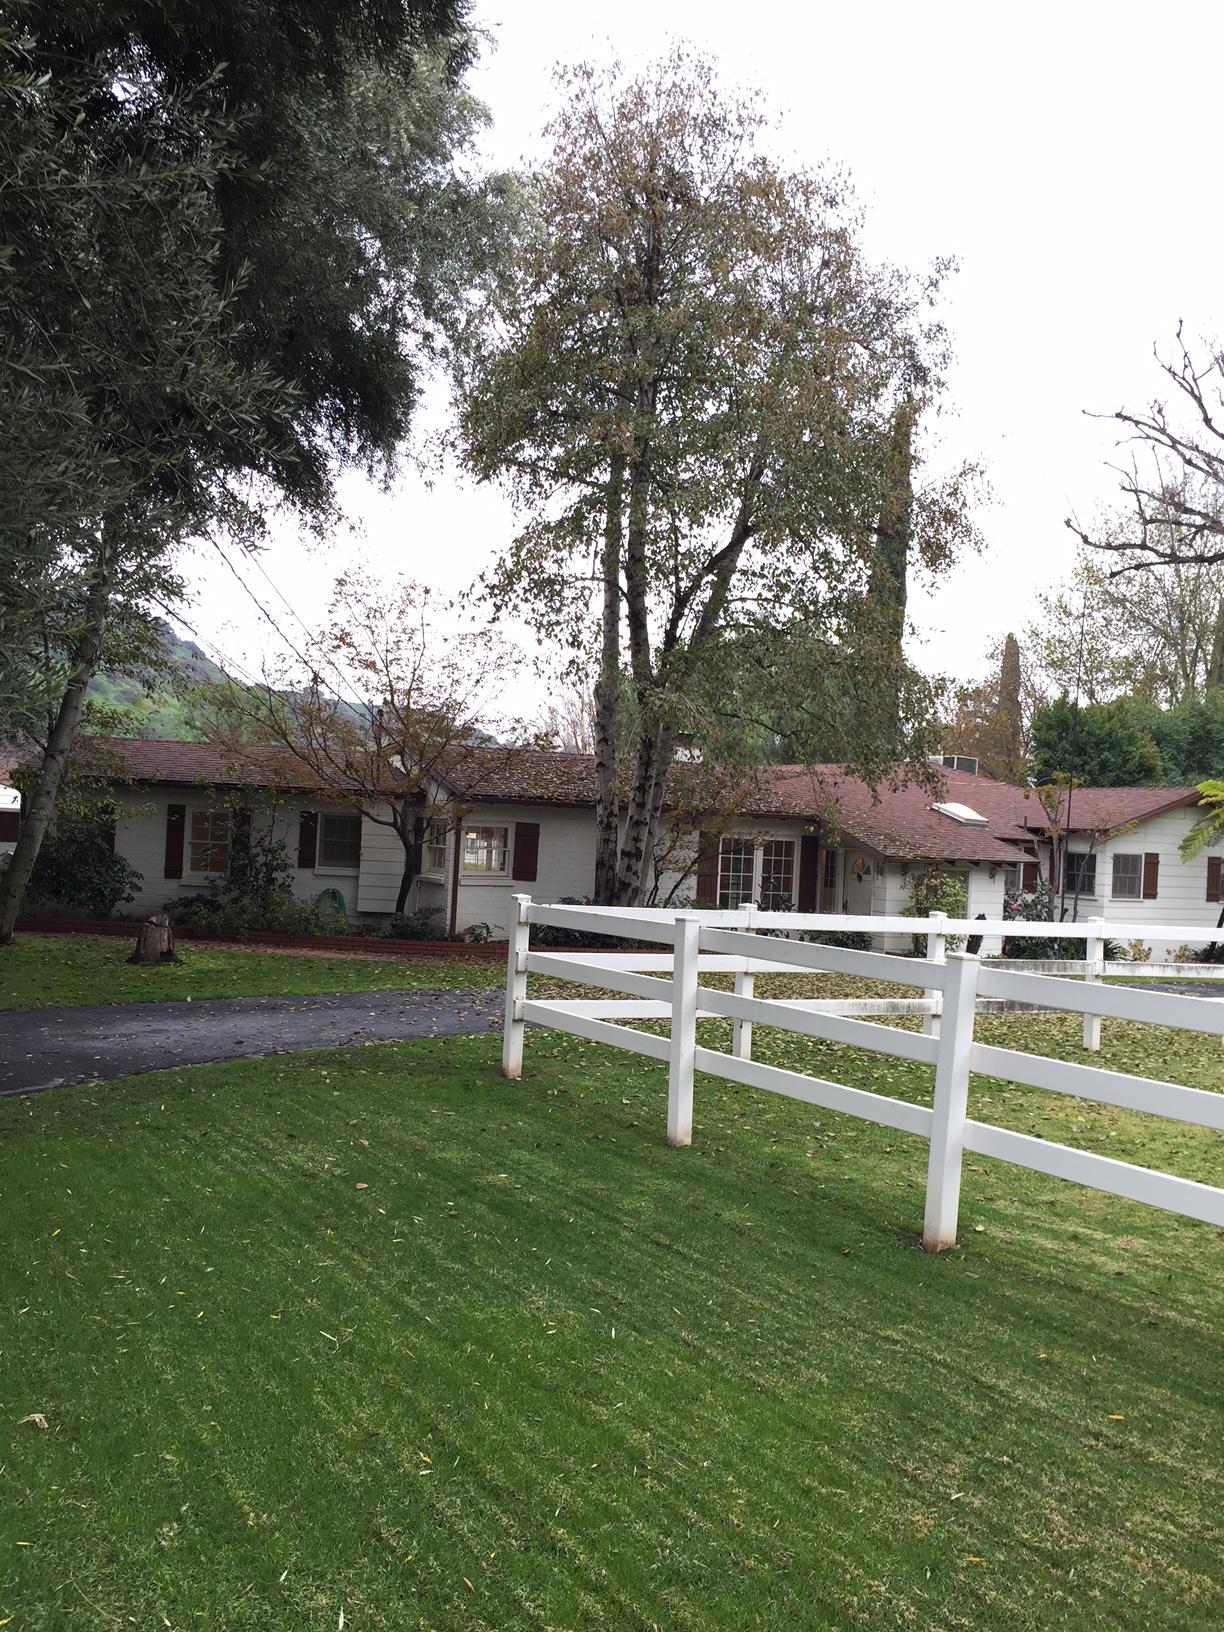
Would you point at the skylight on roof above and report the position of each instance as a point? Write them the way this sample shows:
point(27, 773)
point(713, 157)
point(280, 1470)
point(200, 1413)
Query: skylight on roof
point(964, 814)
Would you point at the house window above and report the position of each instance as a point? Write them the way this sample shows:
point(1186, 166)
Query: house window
point(777, 891)
point(765, 873)
point(433, 857)
point(1128, 878)
point(340, 841)
point(486, 850)
point(736, 871)
point(210, 841)
point(1081, 873)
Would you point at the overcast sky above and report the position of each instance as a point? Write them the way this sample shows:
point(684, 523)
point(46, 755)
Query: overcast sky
point(1065, 155)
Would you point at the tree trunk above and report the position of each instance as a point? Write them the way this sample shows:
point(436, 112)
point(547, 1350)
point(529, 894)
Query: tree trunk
point(155, 942)
point(37, 816)
point(607, 694)
point(1215, 670)
point(412, 836)
point(641, 822)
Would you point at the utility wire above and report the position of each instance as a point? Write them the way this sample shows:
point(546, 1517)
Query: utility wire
point(311, 667)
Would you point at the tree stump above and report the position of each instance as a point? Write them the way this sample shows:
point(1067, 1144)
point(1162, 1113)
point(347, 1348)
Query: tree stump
point(155, 942)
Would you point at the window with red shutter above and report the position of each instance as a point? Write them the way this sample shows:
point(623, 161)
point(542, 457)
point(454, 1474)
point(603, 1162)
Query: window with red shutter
point(526, 862)
point(1214, 865)
point(1151, 874)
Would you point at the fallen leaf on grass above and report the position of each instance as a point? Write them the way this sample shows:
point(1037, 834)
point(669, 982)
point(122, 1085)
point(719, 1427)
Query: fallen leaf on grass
point(361, 1187)
point(1117, 1416)
point(36, 1417)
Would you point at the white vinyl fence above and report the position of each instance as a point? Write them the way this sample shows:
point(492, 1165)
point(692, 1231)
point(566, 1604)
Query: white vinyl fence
point(666, 985)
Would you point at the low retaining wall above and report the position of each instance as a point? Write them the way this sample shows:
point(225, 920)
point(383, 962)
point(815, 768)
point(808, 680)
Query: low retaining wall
point(468, 951)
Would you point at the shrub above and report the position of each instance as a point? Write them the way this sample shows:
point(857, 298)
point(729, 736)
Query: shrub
point(1037, 907)
point(256, 895)
point(933, 890)
point(477, 934)
point(545, 935)
point(415, 926)
point(854, 940)
point(76, 866)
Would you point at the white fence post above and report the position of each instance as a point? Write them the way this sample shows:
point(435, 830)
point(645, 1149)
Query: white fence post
point(950, 1104)
point(936, 951)
point(1094, 968)
point(683, 1048)
point(741, 1030)
point(516, 988)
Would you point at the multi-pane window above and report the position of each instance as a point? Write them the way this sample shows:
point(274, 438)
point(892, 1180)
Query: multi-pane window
point(486, 849)
point(777, 893)
point(1081, 873)
point(736, 871)
point(764, 873)
point(433, 857)
point(210, 841)
point(1128, 877)
point(340, 841)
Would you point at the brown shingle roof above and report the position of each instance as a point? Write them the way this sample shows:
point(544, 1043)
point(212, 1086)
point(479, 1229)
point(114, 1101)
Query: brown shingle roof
point(893, 821)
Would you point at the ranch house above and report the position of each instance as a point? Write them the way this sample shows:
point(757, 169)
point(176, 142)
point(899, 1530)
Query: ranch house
point(813, 839)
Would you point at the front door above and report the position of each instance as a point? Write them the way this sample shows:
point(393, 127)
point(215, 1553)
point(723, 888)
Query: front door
point(829, 899)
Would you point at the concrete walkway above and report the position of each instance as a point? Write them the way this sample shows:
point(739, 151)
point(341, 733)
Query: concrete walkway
point(49, 1048)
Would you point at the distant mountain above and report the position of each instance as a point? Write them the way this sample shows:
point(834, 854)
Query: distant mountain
point(163, 700)
point(158, 702)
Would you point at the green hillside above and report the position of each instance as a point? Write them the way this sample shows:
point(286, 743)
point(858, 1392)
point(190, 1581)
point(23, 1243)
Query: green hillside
point(161, 700)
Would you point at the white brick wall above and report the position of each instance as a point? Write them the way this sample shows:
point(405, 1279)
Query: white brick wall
point(567, 866)
point(1181, 886)
point(140, 836)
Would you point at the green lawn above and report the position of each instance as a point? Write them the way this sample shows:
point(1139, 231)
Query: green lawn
point(377, 1340)
point(46, 971)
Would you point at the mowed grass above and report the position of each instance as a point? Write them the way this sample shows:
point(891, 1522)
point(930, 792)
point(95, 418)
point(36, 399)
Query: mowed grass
point(375, 1339)
point(53, 971)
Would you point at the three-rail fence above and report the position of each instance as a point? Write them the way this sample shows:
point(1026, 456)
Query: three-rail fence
point(666, 985)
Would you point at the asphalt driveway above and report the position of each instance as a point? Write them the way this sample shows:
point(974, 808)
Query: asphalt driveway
point(49, 1048)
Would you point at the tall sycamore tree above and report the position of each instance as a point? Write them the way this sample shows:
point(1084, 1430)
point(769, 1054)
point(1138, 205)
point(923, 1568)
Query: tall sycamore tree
point(696, 386)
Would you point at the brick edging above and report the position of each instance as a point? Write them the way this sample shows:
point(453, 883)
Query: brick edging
point(376, 945)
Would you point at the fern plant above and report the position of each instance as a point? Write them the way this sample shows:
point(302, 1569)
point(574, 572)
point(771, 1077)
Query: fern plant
point(1209, 829)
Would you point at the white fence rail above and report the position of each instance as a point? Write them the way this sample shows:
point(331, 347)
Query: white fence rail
point(667, 986)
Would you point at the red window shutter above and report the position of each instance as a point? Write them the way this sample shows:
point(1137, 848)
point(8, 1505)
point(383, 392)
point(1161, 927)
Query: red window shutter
point(707, 868)
point(1214, 864)
point(526, 861)
point(176, 827)
point(1028, 877)
point(809, 872)
point(1151, 874)
point(308, 837)
point(10, 826)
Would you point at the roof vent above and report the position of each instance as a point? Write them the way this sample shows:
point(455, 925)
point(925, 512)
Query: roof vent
point(955, 762)
point(964, 814)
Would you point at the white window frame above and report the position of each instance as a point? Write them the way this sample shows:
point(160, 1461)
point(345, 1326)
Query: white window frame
point(435, 840)
point(212, 812)
point(487, 874)
point(1131, 895)
point(1082, 856)
point(758, 841)
point(322, 866)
